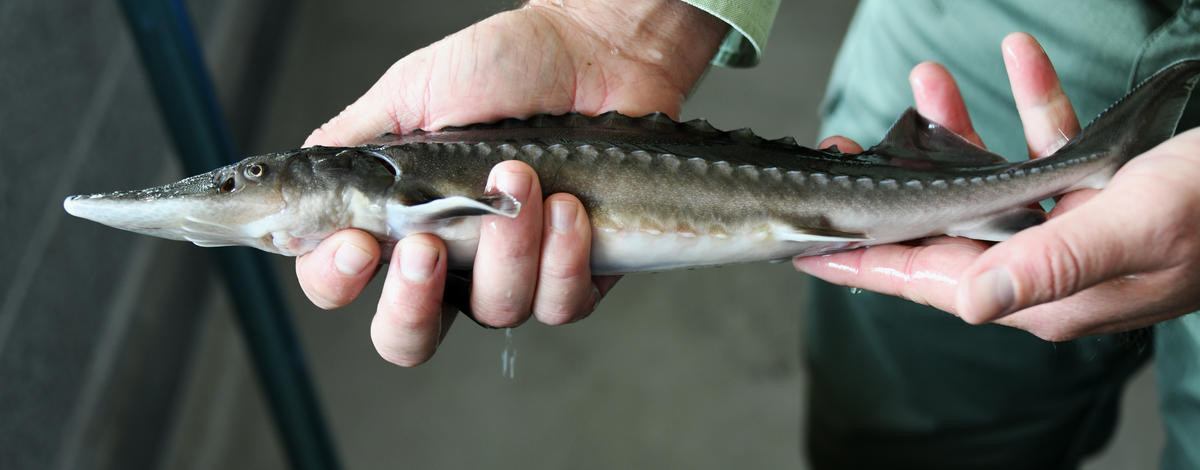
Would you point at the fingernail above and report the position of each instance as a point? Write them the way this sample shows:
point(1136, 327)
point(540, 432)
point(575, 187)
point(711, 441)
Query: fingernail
point(516, 184)
point(562, 216)
point(917, 85)
point(417, 260)
point(992, 293)
point(1010, 57)
point(350, 259)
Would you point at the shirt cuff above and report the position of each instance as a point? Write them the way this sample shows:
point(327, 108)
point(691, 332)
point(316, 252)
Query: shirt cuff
point(750, 23)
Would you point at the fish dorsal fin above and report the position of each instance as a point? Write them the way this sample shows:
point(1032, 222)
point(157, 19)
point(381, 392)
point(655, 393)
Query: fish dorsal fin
point(918, 143)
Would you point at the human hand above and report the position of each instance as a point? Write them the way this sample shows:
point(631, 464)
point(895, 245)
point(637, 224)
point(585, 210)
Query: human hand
point(589, 57)
point(1105, 261)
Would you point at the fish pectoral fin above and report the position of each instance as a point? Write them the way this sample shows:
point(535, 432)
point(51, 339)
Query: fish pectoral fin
point(460, 206)
point(201, 242)
point(1001, 226)
point(916, 142)
point(810, 234)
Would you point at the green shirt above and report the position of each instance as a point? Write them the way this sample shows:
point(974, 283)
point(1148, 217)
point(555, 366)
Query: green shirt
point(896, 384)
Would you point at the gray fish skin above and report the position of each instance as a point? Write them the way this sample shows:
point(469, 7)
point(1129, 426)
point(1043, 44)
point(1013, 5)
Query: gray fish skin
point(660, 194)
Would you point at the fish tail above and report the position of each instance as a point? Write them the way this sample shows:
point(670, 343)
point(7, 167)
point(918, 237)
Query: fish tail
point(1144, 118)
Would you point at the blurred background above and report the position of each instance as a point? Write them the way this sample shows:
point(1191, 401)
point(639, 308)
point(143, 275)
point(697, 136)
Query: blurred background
point(121, 351)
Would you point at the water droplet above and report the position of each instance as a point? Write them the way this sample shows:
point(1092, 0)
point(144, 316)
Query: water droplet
point(508, 357)
point(855, 290)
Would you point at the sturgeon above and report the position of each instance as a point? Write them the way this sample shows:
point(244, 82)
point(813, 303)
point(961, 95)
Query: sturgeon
point(660, 194)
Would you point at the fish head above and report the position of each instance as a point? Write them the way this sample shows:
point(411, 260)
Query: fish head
point(237, 204)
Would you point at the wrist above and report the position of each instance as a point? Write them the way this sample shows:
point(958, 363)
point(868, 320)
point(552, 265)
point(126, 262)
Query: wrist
point(668, 34)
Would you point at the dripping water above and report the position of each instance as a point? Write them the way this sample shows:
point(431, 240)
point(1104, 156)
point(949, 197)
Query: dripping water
point(508, 357)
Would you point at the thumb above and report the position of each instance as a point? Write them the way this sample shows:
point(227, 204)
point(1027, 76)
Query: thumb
point(379, 110)
point(1065, 255)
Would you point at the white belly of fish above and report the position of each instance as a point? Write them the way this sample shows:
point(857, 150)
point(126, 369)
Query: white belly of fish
point(632, 251)
point(618, 251)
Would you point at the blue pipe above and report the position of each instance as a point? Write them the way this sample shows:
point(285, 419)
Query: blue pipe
point(172, 60)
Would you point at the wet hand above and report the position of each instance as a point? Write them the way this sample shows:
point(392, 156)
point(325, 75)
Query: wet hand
point(1105, 261)
point(589, 57)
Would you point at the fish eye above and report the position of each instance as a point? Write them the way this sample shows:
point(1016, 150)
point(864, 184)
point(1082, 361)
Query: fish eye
point(255, 170)
point(228, 186)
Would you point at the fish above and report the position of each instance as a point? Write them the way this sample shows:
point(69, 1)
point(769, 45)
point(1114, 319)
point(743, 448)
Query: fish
point(660, 194)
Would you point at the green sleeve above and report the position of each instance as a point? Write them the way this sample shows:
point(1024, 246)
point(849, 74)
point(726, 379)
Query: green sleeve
point(750, 23)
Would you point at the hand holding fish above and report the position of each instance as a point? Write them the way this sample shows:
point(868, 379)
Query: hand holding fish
point(588, 57)
point(1111, 260)
point(660, 194)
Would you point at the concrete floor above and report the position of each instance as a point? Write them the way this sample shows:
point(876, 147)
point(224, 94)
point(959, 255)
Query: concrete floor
point(696, 369)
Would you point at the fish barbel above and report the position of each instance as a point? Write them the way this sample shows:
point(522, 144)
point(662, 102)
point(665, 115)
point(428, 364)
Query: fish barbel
point(660, 194)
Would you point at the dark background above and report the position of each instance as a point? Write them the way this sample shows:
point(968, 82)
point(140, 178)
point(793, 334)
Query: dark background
point(119, 351)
